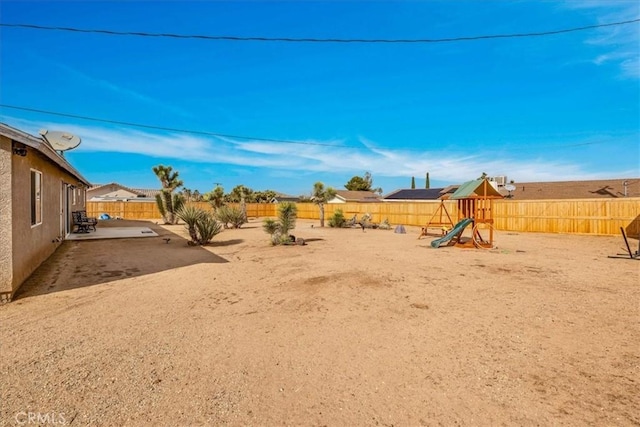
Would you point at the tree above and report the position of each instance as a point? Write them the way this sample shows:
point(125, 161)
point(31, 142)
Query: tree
point(186, 193)
point(215, 197)
point(362, 183)
point(427, 183)
point(238, 193)
point(322, 195)
point(264, 196)
point(413, 182)
point(168, 203)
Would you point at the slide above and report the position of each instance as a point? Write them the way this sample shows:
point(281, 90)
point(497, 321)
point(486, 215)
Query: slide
point(455, 231)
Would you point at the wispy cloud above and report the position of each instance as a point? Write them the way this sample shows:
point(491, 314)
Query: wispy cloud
point(621, 42)
point(309, 159)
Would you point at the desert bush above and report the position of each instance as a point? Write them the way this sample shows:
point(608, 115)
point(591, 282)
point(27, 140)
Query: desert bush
point(385, 225)
point(207, 228)
point(230, 215)
point(279, 230)
point(337, 220)
point(201, 225)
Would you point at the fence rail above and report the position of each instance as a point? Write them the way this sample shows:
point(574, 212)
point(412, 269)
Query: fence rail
point(579, 216)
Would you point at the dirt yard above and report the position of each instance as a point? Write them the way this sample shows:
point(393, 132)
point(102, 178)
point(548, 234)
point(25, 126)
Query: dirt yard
point(355, 328)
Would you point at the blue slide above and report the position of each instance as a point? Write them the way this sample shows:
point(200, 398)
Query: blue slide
point(455, 232)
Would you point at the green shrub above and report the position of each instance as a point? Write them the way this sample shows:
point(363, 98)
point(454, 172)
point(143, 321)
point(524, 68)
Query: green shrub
point(201, 225)
point(279, 230)
point(207, 228)
point(337, 220)
point(230, 215)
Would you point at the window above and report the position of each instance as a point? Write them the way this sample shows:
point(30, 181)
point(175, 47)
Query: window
point(36, 197)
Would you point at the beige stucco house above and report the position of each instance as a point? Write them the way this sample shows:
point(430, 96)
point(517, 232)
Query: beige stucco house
point(39, 191)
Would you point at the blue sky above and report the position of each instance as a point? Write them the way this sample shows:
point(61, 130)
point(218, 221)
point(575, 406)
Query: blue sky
point(552, 108)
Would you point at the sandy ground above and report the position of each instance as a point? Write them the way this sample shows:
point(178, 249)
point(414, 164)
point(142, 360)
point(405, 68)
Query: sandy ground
point(355, 328)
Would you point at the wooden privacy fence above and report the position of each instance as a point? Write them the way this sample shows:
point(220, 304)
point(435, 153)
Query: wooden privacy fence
point(579, 216)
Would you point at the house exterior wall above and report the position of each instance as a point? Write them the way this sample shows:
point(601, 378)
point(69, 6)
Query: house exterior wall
point(336, 200)
point(6, 242)
point(31, 245)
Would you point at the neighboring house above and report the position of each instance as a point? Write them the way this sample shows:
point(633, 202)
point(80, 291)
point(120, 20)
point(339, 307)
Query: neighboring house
point(117, 192)
point(281, 197)
point(39, 191)
point(344, 196)
point(418, 194)
point(594, 189)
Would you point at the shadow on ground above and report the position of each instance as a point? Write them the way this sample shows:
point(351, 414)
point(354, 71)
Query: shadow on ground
point(77, 264)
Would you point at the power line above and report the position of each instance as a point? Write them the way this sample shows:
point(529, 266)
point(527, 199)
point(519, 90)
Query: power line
point(196, 132)
point(317, 40)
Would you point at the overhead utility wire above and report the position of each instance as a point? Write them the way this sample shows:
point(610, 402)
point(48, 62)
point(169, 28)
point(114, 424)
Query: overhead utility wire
point(317, 40)
point(196, 132)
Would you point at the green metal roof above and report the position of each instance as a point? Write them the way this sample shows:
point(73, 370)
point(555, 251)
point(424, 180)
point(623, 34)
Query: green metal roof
point(475, 189)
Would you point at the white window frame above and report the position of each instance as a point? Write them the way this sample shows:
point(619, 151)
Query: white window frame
point(35, 189)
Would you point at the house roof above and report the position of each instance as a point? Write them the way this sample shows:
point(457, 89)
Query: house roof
point(415, 194)
point(285, 198)
point(592, 189)
point(357, 196)
point(475, 189)
point(140, 192)
point(43, 147)
point(146, 192)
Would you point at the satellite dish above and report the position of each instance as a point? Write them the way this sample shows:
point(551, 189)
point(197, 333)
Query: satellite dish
point(60, 141)
point(509, 187)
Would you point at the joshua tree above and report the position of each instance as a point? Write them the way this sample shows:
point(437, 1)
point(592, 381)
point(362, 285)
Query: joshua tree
point(168, 203)
point(321, 196)
point(279, 230)
point(215, 197)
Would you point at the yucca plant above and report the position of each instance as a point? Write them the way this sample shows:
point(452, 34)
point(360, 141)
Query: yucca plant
point(201, 225)
point(272, 227)
point(287, 214)
point(279, 230)
point(230, 215)
point(190, 215)
point(207, 227)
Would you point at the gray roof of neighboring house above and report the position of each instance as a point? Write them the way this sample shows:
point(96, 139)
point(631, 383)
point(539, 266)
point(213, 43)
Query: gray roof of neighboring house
point(601, 188)
point(140, 192)
point(286, 197)
point(358, 196)
point(415, 194)
point(41, 146)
